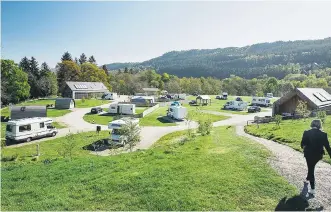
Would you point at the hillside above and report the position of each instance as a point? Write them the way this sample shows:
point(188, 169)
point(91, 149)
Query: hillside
point(274, 59)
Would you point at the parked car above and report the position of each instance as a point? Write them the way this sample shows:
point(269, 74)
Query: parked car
point(192, 102)
point(218, 97)
point(96, 110)
point(254, 109)
point(239, 99)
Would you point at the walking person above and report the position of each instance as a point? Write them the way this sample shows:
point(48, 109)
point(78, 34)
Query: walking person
point(313, 143)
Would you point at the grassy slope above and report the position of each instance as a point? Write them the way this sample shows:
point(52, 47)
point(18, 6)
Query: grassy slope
point(206, 173)
point(90, 103)
point(217, 105)
point(289, 133)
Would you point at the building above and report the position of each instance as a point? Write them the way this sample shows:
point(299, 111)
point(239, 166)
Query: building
point(143, 101)
point(64, 103)
point(204, 99)
point(20, 112)
point(316, 98)
point(78, 90)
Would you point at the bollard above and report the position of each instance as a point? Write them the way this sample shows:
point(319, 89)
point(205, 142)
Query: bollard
point(38, 153)
point(98, 129)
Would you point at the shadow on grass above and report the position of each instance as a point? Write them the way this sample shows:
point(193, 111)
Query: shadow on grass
point(101, 145)
point(297, 202)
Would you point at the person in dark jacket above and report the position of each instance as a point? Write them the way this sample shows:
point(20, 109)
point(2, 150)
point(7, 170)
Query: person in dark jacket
point(313, 143)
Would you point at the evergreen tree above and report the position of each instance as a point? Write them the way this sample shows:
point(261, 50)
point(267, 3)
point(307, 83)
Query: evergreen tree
point(76, 61)
point(66, 56)
point(126, 70)
point(105, 69)
point(44, 69)
point(34, 68)
point(92, 60)
point(82, 59)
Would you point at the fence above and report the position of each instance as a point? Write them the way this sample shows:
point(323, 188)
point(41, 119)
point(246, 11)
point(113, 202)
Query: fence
point(148, 111)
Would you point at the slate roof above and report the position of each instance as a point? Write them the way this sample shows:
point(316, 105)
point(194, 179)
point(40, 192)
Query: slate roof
point(87, 86)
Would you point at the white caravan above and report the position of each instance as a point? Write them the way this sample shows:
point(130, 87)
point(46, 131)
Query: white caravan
point(30, 128)
point(110, 96)
point(270, 95)
point(180, 96)
point(235, 105)
point(261, 101)
point(177, 112)
point(117, 125)
point(125, 109)
point(224, 95)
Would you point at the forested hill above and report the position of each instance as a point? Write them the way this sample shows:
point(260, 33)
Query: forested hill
point(274, 59)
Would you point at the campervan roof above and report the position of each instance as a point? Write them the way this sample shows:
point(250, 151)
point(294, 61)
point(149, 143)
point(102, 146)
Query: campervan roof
point(29, 120)
point(118, 123)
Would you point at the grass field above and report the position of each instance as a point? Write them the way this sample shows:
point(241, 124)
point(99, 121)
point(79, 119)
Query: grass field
point(205, 173)
point(104, 119)
point(155, 118)
point(90, 102)
point(289, 133)
point(217, 105)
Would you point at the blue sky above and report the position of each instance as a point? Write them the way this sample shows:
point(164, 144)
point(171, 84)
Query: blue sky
point(138, 31)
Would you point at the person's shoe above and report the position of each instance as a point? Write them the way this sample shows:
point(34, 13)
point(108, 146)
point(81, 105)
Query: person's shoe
point(306, 181)
point(311, 191)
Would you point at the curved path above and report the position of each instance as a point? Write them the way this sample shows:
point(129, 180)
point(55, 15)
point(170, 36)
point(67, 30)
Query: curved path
point(292, 165)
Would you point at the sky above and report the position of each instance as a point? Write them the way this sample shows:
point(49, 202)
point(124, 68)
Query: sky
point(138, 31)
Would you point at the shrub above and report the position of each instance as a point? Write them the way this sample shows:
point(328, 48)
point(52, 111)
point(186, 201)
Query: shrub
point(278, 120)
point(67, 147)
point(321, 115)
point(205, 126)
point(83, 99)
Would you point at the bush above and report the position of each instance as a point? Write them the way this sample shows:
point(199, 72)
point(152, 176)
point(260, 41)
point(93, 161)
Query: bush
point(67, 147)
point(83, 99)
point(205, 127)
point(10, 158)
point(278, 120)
point(321, 115)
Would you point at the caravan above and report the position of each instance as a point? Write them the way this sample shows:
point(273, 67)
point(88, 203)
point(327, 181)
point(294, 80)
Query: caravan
point(125, 109)
point(109, 96)
point(30, 128)
point(177, 112)
point(235, 105)
point(261, 101)
point(116, 127)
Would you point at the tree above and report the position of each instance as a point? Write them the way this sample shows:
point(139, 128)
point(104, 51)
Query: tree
point(34, 68)
point(105, 69)
point(271, 85)
point(67, 71)
point(44, 69)
point(66, 57)
point(302, 109)
point(31, 68)
point(126, 70)
point(76, 61)
point(130, 133)
point(82, 59)
point(278, 120)
point(15, 82)
point(91, 73)
point(92, 60)
point(48, 84)
point(165, 77)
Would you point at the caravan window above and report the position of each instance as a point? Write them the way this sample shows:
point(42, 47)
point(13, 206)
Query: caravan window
point(42, 125)
point(24, 128)
point(9, 128)
point(113, 107)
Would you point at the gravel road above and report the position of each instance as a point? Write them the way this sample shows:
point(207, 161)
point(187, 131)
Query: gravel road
point(291, 164)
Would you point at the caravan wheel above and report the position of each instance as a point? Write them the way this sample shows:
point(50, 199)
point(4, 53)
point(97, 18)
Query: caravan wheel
point(28, 139)
point(53, 134)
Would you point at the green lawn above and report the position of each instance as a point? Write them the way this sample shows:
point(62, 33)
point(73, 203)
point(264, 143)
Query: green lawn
point(59, 125)
point(217, 105)
point(206, 173)
point(289, 133)
point(90, 102)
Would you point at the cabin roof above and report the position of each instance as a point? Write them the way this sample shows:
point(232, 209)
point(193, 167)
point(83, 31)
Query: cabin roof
point(87, 86)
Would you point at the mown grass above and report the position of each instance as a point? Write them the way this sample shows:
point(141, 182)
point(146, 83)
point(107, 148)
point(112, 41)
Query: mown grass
point(104, 119)
point(217, 105)
point(289, 133)
point(59, 125)
point(217, 172)
point(90, 103)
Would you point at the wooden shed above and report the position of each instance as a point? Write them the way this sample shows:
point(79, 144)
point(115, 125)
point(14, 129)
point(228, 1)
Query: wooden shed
point(316, 98)
point(64, 103)
point(20, 112)
point(204, 99)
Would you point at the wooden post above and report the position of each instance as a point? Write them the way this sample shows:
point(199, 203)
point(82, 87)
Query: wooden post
point(38, 152)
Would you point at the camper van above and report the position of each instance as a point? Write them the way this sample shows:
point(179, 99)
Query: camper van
point(29, 129)
point(116, 125)
point(224, 96)
point(177, 112)
point(110, 96)
point(125, 109)
point(180, 96)
point(261, 101)
point(235, 105)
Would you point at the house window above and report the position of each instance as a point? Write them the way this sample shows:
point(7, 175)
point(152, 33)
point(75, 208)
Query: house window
point(24, 128)
point(42, 125)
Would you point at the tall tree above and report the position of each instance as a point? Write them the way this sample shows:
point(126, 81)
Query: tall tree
point(82, 59)
point(15, 82)
point(92, 60)
point(76, 61)
point(31, 68)
point(66, 57)
point(105, 69)
point(34, 68)
point(91, 73)
point(126, 70)
point(44, 69)
point(67, 71)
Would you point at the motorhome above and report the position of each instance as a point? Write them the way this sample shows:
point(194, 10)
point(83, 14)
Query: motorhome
point(177, 112)
point(125, 109)
point(30, 128)
point(180, 96)
point(270, 95)
point(116, 126)
point(224, 96)
point(235, 105)
point(175, 103)
point(110, 96)
point(261, 101)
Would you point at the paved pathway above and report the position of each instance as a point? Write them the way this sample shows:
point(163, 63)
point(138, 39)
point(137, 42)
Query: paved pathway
point(292, 165)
